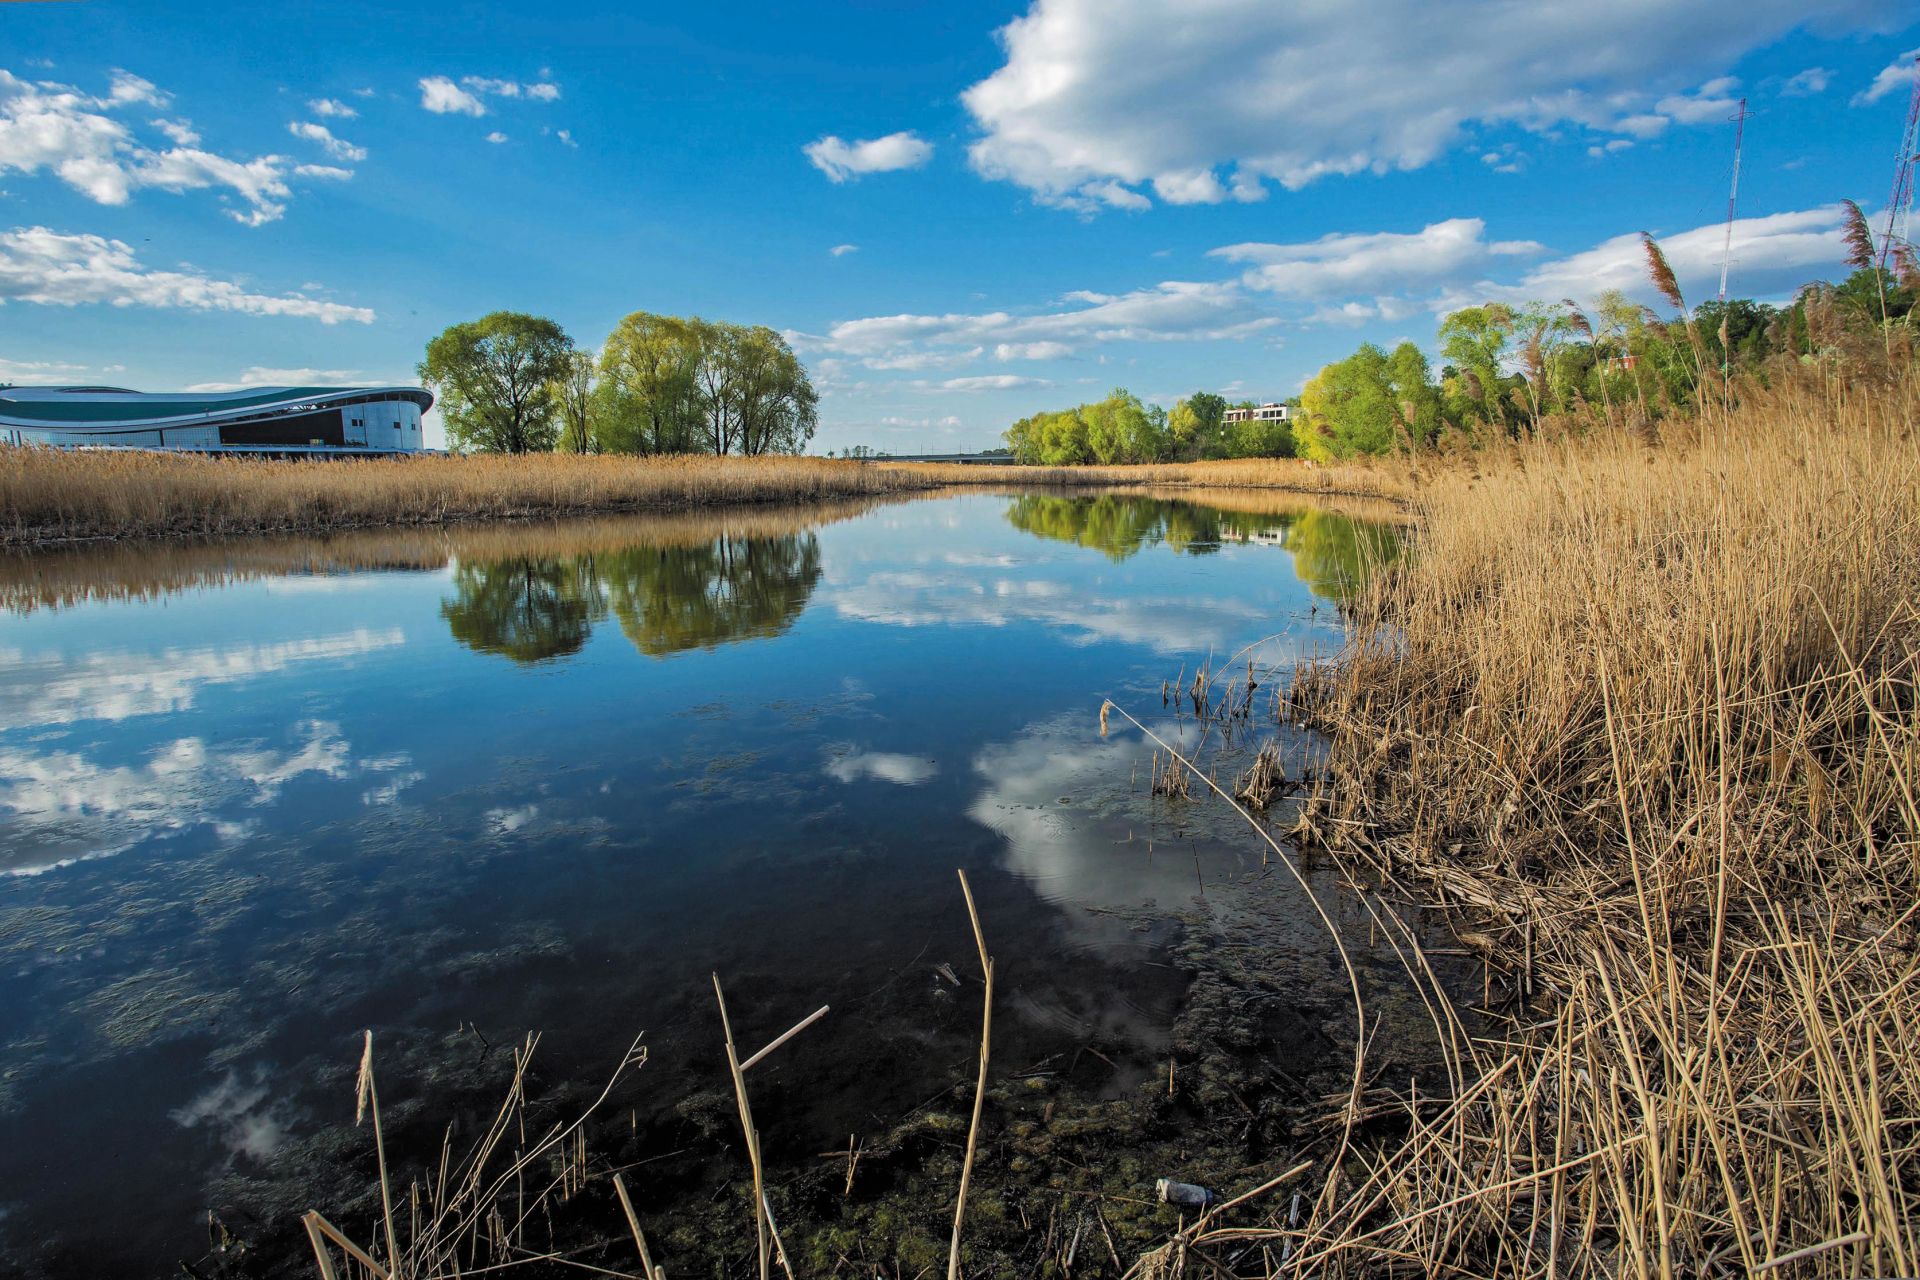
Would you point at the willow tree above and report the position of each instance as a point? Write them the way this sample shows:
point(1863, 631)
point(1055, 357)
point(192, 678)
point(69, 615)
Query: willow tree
point(494, 378)
point(776, 407)
point(646, 385)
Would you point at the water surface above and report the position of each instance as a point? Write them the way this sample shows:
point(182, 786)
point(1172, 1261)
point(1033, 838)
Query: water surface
point(459, 785)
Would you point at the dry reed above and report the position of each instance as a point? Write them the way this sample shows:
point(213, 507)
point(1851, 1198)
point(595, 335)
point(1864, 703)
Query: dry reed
point(1646, 726)
point(50, 496)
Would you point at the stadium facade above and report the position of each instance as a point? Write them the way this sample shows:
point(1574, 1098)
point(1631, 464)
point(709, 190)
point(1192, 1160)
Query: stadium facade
point(278, 420)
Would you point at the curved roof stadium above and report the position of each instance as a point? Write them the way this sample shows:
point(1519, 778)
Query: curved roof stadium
point(332, 420)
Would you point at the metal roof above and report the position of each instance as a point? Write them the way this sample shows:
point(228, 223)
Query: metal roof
point(49, 406)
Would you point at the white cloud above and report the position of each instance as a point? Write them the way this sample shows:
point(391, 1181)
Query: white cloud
point(1771, 254)
point(1174, 310)
point(1709, 103)
point(566, 137)
point(180, 131)
point(1343, 264)
point(497, 88)
point(260, 376)
point(842, 250)
point(921, 360)
point(57, 128)
point(1807, 83)
point(1900, 72)
point(1031, 351)
point(60, 269)
point(841, 160)
point(443, 97)
point(331, 108)
point(440, 95)
point(990, 382)
point(325, 172)
point(1099, 101)
point(128, 88)
point(37, 370)
point(496, 137)
point(338, 148)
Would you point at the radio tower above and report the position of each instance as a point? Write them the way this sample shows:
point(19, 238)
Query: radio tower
point(1733, 196)
point(1900, 203)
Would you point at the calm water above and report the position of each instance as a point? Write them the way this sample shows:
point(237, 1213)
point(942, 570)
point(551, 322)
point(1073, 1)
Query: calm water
point(455, 786)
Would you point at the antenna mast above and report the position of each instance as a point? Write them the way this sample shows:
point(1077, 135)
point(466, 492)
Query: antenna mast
point(1733, 196)
point(1900, 203)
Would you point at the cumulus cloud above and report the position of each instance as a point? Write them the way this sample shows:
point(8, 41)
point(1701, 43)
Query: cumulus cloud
point(60, 269)
point(1807, 83)
point(1172, 311)
point(338, 148)
point(73, 135)
point(1771, 254)
point(841, 160)
point(1899, 73)
point(496, 137)
point(1101, 102)
point(1342, 264)
point(440, 95)
point(443, 97)
point(1711, 101)
point(331, 108)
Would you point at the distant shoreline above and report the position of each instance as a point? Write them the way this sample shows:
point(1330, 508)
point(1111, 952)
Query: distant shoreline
point(51, 499)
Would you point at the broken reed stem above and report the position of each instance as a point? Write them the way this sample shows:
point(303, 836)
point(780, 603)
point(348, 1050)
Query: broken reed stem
point(785, 1036)
point(980, 1084)
point(370, 1098)
point(760, 1224)
point(633, 1224)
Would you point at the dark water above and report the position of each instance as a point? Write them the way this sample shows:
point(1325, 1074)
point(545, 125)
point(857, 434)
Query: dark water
point(457, 786)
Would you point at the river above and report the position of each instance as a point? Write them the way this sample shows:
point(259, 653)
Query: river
point(457, 785)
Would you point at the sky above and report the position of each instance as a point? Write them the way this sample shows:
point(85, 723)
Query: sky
point(959, 213)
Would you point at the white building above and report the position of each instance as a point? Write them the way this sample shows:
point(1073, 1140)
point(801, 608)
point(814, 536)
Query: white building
point(1269, 412)
point(331, 420)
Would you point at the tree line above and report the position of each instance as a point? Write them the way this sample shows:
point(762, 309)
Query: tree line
point(516, 383)
point(1508, 367)
point(1121, 429)
point(1505, 368)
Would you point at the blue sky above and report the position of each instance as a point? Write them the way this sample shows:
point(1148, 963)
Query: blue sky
point(1032, 202)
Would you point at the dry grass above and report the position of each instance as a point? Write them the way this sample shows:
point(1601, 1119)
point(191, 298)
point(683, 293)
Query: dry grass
point(1388, 478)
point(1645, 724)
point(51, 496)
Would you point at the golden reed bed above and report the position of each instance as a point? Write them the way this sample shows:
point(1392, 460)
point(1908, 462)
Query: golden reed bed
point(48, 496)
point(1642, 719)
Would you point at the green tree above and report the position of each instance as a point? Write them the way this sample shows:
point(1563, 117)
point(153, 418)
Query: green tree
point(1474, 341)
point(646, 382)
point(1195, 424)
point(777, 405)
point(494, 378)
point(574, 392)
point(1352, 407)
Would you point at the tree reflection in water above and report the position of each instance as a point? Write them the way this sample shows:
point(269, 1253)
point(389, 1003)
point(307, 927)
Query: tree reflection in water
point(1333, 552)
point(667, 598)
